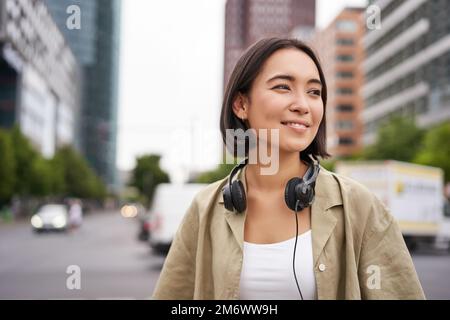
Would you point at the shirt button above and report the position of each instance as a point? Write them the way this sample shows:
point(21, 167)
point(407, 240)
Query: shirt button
point(322, 267)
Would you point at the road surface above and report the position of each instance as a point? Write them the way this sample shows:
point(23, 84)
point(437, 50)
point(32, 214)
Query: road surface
point(113, 264)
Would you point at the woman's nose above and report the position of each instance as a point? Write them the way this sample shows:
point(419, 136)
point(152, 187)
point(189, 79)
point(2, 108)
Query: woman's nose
point(300, 104)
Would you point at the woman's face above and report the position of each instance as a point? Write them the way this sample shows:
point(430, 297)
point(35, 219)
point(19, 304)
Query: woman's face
point(286, 95)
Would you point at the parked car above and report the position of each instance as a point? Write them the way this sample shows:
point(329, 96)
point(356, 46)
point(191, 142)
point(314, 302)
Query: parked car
point(170, 204)
point(51, 217)
point(145, 222)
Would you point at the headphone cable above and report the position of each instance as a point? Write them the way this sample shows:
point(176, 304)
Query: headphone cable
point(295, 249)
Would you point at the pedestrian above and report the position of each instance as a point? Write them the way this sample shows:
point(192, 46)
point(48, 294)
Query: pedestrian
point(75, 214)
point(300, 233)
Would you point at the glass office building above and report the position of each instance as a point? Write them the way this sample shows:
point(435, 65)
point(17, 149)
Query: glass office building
point(96, 47)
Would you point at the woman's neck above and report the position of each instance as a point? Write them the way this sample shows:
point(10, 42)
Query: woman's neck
point(289, 166)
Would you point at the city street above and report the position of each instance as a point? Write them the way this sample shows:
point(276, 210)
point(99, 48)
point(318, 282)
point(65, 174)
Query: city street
point(114, 265)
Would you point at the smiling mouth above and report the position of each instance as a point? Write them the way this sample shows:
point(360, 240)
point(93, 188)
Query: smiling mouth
point(295, 125)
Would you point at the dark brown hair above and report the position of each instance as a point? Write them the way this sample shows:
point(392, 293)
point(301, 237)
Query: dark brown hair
point(241, 80)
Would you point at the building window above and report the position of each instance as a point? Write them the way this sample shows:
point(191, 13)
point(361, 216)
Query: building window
point(344, 108)
point(344, 125)
point(345, 42)
point(345, 141)
point(371, 127)
point(344, 91)
point(346, 26)
point(344, 74)
point(344, 58)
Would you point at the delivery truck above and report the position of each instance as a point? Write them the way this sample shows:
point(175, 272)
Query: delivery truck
point(171, 202)
point(413, 193)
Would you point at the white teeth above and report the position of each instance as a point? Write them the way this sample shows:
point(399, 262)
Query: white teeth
point(298, 125)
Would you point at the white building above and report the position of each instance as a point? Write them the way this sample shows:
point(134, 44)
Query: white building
point(40, 76)
point(407, 66)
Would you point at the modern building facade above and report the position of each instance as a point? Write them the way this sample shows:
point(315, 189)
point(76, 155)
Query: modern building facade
point(407, 69)
point(96, 47)
point(247, 21)
point(341, 53)
point(39, 76)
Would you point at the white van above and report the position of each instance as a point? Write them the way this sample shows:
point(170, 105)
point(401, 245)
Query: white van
point(170, 204)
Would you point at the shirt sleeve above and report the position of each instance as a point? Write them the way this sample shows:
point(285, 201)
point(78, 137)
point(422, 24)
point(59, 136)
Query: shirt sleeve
point(177, 278)
point(386, 270)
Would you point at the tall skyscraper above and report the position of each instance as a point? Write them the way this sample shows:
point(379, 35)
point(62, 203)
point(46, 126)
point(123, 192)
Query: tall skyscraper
point(341, 53)
point(247, 21)
point(407, 69)
point(39, 76)
point(96, 47)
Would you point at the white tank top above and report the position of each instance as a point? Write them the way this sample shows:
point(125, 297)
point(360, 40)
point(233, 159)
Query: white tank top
point(267, 270)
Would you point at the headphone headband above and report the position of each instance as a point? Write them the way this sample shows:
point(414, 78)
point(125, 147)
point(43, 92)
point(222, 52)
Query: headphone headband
point(242, 164)
point(312, 173)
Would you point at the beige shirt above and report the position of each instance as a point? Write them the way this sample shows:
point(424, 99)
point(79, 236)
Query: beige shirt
point(358, 249)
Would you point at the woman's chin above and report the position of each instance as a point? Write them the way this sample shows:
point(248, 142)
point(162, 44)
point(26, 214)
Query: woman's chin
point(293, 148)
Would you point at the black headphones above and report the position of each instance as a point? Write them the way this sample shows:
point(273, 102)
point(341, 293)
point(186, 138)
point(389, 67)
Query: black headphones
point(299, 192)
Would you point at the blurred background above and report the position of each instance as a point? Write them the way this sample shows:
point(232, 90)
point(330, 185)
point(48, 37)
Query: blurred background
point(109, 125)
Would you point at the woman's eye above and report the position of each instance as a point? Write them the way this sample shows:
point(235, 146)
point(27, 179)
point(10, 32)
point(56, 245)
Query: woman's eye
point(282, 86)
point(315, 92)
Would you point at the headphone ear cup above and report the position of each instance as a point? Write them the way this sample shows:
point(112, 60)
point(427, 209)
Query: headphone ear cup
point(227, 201)
point(305, 198)
point(290, 196)
point(238, 196)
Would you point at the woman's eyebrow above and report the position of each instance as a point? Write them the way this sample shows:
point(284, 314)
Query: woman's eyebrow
point(292, 79)
point(283, 77)
point(316, 81)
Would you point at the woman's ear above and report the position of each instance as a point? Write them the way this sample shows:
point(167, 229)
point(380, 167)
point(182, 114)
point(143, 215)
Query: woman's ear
point(240, 106)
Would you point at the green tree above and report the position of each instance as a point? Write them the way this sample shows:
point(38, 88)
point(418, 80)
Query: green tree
point(436, 149)
point(214, 175)
point(96, 188)
point(328, 164)
point(40, 177)
point(58, 182)
point(24, 155)
point(7, 168)
point(79, 179)
point(147, 175)
point(399, 139)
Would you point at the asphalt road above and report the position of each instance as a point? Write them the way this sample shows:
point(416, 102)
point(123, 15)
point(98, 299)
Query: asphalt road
point(113, 264)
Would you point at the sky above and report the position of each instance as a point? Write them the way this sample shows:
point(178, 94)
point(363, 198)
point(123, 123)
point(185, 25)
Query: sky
point(171, 81)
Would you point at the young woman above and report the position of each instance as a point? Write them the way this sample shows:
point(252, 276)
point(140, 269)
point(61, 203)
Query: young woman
point(258, 240)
